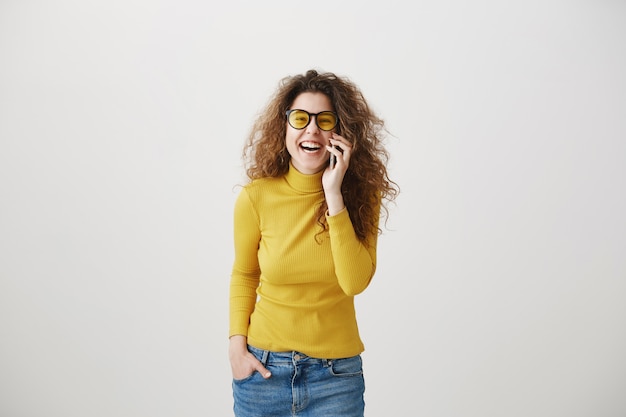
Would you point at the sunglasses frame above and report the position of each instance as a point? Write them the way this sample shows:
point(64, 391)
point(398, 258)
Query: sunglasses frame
point(288, 112)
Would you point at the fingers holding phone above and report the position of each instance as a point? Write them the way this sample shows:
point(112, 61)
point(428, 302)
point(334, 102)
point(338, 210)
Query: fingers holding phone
point(339, 150)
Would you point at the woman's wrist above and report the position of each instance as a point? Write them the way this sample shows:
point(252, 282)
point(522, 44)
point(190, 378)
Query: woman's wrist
point(335, 204)
point(238, 343)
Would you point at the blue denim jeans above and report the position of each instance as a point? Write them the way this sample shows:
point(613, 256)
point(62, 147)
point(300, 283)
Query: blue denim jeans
point(301, 386)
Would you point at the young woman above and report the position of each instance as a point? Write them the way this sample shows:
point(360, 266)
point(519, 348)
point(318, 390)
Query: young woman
point(305, 230)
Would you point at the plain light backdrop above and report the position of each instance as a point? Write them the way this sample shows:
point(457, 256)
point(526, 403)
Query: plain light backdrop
point(501, 285)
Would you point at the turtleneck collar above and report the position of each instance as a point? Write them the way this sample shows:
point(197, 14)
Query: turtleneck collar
point(305, 183)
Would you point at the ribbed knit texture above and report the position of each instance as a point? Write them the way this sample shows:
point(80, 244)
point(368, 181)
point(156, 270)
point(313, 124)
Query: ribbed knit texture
point(290, 289)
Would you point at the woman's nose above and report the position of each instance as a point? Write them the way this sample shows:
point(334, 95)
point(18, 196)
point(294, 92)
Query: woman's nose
point(312, 128)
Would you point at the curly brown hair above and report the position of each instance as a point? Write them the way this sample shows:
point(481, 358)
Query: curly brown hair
point(366, 186)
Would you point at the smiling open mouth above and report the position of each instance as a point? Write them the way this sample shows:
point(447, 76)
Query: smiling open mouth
point(310, 146)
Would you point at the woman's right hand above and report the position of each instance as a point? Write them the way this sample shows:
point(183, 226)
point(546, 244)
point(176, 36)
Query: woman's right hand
point(242, 362)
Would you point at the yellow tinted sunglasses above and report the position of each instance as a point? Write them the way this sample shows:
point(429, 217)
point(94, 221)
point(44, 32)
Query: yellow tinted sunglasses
point(299, 119)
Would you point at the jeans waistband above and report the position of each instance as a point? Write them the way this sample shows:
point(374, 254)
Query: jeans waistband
point(292, 357)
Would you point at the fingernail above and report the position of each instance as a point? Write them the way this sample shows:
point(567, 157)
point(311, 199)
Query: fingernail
point(268, 374)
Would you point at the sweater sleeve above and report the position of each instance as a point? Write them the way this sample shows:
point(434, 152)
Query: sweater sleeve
point(355, 261)
point(245, 273)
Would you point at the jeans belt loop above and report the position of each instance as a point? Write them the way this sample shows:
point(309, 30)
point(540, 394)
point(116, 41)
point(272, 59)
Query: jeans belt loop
point(266, 354)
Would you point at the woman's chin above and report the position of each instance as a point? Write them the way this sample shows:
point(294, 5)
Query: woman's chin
point(310, 165)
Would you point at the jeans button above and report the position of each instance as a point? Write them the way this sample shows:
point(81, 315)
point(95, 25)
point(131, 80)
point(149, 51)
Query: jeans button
point(297, 357)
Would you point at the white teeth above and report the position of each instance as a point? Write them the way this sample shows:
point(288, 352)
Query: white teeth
point(310, 146)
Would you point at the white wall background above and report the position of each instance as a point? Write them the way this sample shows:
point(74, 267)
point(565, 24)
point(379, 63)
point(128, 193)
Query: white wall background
point(501, 285)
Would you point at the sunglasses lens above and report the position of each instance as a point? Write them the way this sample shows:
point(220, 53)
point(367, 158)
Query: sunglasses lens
point(298, 119)
point(326, 120)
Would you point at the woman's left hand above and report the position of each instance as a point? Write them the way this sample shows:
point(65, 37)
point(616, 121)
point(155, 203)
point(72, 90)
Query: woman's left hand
point(340, 150)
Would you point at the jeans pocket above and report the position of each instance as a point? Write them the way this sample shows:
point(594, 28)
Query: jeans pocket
point(249, 377)
point(257, 354)
point(347, 367)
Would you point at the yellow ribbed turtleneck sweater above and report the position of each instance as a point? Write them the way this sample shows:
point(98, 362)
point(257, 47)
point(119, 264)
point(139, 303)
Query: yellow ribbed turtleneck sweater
point(288, 290)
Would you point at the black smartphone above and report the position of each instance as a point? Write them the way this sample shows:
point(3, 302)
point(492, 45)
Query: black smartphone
point(333, 158)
